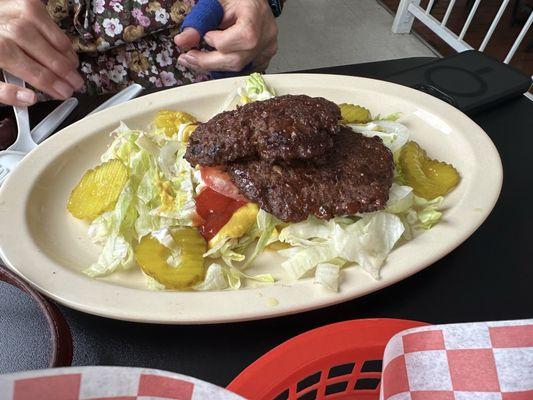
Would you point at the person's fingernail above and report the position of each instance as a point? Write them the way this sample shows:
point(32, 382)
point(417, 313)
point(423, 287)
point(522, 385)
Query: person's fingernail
point(26, 96)
point(183, 62)
point(62, 88)
point(189, 58)
point(74, 79)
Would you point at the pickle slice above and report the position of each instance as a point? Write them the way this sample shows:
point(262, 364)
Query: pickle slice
point(170, 121)
point(153, 258)
point(428, 178)
point(354, 114)
point(98, 190)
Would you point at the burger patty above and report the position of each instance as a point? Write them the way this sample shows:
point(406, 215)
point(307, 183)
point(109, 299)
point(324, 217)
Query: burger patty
point(284, 128)
point(354, 177)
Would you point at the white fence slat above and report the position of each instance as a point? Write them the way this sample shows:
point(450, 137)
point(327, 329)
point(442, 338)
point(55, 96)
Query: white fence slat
point(448, 12)
point(469, 19)
point(493, 25)
point(430, 6)
point(519, 39)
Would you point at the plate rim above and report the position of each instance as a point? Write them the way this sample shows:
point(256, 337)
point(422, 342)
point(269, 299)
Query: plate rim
point(60, 139)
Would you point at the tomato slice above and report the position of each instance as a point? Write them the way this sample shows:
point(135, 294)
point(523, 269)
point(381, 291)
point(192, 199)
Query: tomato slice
point(220, 182)
point(216, 210)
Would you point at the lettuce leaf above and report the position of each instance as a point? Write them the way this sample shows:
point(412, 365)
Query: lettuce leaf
point(366, 241)
point(369, 241)
point(255, 89)
point(114, 230)
point(393, 134)
point(328, 275)
point(266, 225)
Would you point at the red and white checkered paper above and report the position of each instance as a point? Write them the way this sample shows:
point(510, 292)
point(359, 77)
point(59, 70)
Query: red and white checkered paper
point(474, 361)
point(107, 383)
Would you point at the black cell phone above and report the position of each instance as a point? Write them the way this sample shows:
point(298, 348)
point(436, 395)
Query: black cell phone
point(470, 81)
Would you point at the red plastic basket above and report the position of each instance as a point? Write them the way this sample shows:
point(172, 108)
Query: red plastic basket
point(338, 361)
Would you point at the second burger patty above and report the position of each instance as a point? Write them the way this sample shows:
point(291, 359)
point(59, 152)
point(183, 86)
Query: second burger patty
point(354, 177)
point(280, 129)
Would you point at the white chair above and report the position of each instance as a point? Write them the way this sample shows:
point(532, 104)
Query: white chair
point(408, 10)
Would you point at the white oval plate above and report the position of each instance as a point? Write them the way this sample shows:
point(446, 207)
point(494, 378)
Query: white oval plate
point(44, 244)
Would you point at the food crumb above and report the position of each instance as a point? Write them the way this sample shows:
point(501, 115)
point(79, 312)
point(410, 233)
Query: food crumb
point(272, 302)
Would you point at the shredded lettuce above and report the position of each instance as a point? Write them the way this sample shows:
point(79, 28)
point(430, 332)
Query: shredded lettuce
point(366, 240)
point(159, 195)
point(221, 277)
point(391, 117)
point(369, 241)
point(328, 275)
point(215, 279)
point(266, 225)
point(255, 89)
point(393, 134)
point(307, 258)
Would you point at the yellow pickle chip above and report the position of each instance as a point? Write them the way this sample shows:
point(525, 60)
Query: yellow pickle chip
point(180, 271)
point(429, 178)
point(98, 190)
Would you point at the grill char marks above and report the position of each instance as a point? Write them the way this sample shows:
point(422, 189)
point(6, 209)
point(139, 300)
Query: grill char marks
point(354, 177)
point(284, 128)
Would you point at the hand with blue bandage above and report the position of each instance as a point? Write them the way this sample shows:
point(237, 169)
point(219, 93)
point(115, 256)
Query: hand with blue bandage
point(242, 33)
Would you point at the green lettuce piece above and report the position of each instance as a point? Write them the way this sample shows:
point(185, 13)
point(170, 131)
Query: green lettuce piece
point(215, 279)
point(428, 214)
point(117, 253)
point(328, 275)
point(219, 277)
point(307, 258)
point(123, 144)
point(114, 229)
point(401, 199)
point(393, 134)
point(225, 249)
point(305, 233)
point(369, 241)
point(366, 241)
point(391, 117)
point(255, 89)
point(266, 224)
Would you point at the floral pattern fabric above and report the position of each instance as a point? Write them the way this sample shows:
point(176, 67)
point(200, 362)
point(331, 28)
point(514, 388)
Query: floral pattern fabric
point(125, 41)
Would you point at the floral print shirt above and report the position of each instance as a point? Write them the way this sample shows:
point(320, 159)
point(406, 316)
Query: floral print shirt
point(125, 41)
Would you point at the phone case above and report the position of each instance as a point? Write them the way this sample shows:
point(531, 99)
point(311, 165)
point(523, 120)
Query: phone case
point(470, 81)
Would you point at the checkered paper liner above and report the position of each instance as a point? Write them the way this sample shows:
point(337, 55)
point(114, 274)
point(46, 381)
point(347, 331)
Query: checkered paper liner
point(107, 383)
point(474, 361)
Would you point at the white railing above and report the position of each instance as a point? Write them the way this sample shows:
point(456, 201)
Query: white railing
point(408, 10)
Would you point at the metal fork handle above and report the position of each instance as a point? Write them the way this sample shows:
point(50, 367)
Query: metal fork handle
point(24, 142)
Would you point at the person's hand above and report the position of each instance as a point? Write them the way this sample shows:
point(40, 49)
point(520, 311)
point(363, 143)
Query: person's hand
point(249, 35)
point(33, 48)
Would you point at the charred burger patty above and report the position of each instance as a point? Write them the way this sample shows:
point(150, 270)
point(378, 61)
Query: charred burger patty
point(290, 155)
point(280, 129)
point(354, 177)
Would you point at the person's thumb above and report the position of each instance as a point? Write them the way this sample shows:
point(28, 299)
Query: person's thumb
point(187, 39)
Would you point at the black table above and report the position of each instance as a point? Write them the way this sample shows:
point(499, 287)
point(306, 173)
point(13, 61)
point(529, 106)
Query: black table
point(489, 277)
